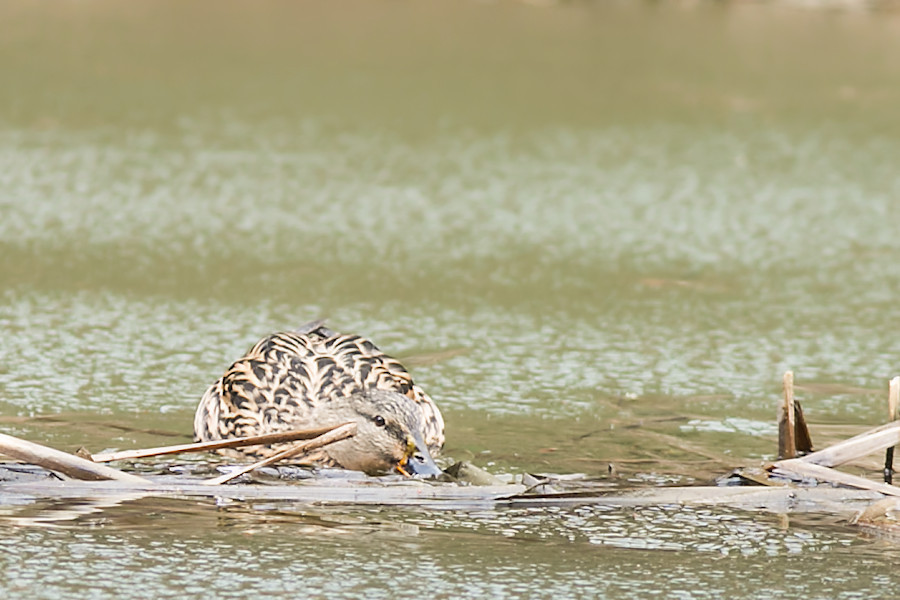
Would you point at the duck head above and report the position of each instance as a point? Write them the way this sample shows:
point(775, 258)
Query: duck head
point(388, 436)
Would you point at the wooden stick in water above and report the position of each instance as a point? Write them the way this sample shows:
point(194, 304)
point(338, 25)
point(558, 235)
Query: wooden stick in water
point(63, 462)
point(266, 439)
point(858, 446)
point(893, 401)
point(787, 446)
point(335, 435)
point(799, 467)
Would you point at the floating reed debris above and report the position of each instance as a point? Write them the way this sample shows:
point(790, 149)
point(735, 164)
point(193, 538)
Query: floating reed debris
point(88, 470)
point(333, 435)
point(797, 467)
point(63, 462)
point(858, 446)
point(819, 466)
point(778, 488)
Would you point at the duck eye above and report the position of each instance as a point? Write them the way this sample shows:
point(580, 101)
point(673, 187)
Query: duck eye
point(379, 421)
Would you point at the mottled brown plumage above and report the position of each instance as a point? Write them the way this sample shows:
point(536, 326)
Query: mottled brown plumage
point(314, 377)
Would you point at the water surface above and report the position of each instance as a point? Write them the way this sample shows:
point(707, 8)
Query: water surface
point(599, 234)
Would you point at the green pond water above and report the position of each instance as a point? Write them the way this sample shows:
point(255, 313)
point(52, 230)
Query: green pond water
point(598, 233)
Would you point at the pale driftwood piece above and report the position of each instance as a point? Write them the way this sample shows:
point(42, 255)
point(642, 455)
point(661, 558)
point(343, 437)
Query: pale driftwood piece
point(787, 446)
point(875, 515)
point(858, 446)
point(799, 467)
point(62, 462)
point(894, 399)
point(787, 499)
point(880, 518)
point(335, 435)
point(264, 440)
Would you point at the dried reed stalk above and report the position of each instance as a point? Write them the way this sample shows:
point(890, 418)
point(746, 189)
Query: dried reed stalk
point(335, 435)
point(266, 439)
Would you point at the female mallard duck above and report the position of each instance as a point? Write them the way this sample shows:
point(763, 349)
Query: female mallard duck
point(314, 377)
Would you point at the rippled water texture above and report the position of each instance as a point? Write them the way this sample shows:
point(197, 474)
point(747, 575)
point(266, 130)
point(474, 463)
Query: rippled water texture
point(597, 234)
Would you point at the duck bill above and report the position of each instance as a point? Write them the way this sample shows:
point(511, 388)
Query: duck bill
point(418, 461)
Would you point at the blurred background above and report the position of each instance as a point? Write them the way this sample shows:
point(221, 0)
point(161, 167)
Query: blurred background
point(597, 233)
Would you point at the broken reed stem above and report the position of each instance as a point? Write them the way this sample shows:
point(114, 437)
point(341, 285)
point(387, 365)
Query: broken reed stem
point(802, 439)
point(264, 440)
point(800, 468)
point(858, 446)
point(335, 435)
point(63, 462)
point(787, 447)
point(893, 401)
